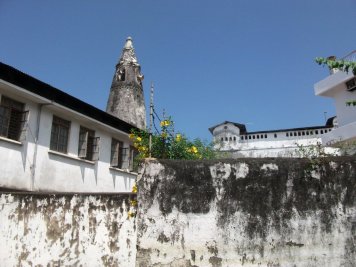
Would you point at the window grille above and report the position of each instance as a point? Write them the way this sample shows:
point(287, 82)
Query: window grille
point(88, 144)
point(133, 154)
point(117, 153)
point(13, 119)
point(59, 134)
point(351, 84)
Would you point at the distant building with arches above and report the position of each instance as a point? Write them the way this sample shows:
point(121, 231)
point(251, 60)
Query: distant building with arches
point(234, 139)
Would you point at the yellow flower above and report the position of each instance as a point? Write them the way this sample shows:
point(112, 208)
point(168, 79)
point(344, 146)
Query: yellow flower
point(132, 136)
point(142, 148)
point(194, 150)
point(134, 189)
point(178, 137)
point(133, 202)
point(139, 139)
point(165, 123)
point(131, 214)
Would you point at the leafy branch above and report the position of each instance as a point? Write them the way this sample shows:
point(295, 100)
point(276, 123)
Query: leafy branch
point(167, 145)
point(351, 103)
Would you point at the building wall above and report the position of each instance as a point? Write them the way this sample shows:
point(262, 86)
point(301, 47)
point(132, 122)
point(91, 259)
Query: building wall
point(334, 87)
point(267, 144)
point(247, 212)
point(17, 157)
point(345, 114)
point(66, 230)
point(31, 165)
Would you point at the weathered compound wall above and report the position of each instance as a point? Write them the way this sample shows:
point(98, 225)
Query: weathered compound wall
point(66, 230)
point(247, 212)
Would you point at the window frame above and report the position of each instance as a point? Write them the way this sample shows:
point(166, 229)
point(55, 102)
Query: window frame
point(60, 124)
point(13, 119)
point(117, 153)
point(133, 152)
point(88, 144)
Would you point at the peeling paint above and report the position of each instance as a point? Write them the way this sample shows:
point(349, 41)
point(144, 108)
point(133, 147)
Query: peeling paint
point(66, 230)
point(269, 167)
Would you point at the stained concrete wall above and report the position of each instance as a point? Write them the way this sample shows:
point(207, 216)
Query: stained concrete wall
point(66, 230)
point(247, 212)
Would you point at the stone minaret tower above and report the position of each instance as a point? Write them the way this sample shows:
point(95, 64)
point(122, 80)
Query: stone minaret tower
point(126, 99)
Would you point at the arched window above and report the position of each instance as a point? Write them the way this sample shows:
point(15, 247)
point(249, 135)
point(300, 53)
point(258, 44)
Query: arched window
point(121, 75)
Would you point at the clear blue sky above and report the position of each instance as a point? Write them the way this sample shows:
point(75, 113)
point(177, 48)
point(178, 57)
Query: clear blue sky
point(245, 61)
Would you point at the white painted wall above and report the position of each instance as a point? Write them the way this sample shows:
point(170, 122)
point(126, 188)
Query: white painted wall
point(334, 86)
point(16, 158)
point(22, 168)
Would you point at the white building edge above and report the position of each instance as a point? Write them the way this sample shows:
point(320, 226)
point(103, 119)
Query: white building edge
point(340, 86)
point(232, 138)
point(53, 142)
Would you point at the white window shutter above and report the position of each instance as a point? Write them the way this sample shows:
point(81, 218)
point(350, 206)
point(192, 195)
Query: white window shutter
point(24, 125)
point(96, 148)
point(83, 142)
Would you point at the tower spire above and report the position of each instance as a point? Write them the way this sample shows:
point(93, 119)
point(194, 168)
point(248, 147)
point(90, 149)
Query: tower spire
point(126, 99)
point(128, 53)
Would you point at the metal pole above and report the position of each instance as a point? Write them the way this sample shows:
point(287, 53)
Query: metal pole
point(151, 120)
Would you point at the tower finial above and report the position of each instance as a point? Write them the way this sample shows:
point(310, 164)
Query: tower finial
point(128, 53)
point(128, 44)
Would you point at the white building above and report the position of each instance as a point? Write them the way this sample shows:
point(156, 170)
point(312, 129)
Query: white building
point(51, 141)
point(340, 86)
point(233, 138)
